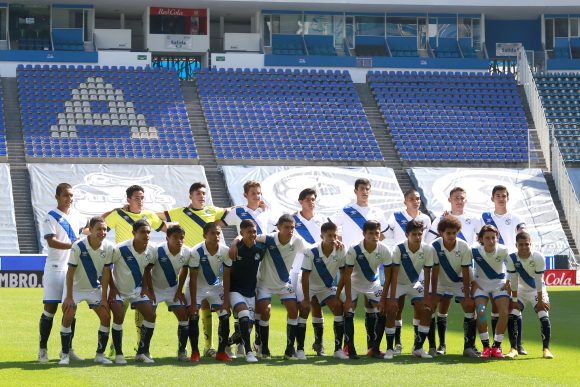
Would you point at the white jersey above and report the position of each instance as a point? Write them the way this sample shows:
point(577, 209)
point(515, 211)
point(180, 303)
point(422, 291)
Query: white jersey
point(366, 264)
point(507, 225)
point(527, 274)
point(89, 263)
point(411, 264)
point(470, 226)
point(274, 271)
point(64, 227)
point(309, 231)
point(259, 216)
point(398, 222)
point(322, 268)
point(208, 266)
point(129, 266)
point(351, 218)
point(451, 262)
point(490, 267)
point(165, 272)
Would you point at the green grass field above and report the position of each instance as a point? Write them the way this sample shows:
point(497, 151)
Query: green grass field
point(19, 345)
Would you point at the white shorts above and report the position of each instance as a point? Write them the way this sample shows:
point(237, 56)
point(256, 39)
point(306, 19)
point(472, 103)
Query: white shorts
point(237, 299)
point(133, 298)
point(373, 293)
point(92, 297)
point(286, 293)
point(414, 291)
point(531, 296)
point(213, 295)
point(323, 294)
point(451, 290)
point(53, 283)
point(490, 290)
point(296, 281)
point(167, 296)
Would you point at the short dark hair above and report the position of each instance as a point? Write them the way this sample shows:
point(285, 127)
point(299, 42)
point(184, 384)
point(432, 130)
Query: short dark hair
point(61, 187)
point(371, 225)
point(132, 189)
point(250, 184)
point(448, 221)
point(209, 227)
point(96, 219)
point(285, 218)
point(413, 225)
point(484, 229)
point(195, 186)
point(140, 223)
point(456, 189)
point(499, 188)
point(409, 192)
point(328, 226)
point(247, 223)
point(306, 192)
point(523, 235)
point(361, 181)
point(173, 229)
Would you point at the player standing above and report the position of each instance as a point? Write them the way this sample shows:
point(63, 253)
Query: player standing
point(469, 224)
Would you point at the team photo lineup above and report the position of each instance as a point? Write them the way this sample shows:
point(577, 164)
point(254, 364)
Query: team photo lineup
point(360, 255)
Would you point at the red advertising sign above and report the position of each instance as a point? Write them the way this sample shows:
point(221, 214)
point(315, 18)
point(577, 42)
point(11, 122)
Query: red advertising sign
point(177, 11)
point(560, 277)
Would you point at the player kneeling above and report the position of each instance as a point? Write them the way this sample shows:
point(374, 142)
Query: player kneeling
point(171, 258)
point(526, 269)
point(318, 269)
point(414, 256)
point(129, 262)
point(205, 284)
point(490, 281)
point(94, 255)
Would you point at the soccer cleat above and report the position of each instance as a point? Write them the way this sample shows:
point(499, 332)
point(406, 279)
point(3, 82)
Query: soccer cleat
point(487, 352)
point(345, 349)
point(319, 349)
point(142, 358)
point(442, 350)
point(194, 357)
point(476, 351)
point(548, 354)
point(398, 349)
point(300, 355)
point(240, 350)
point(389, 354)
point(222, 356)
point(73, 356)
point(375, 354)
point(340, 355)
point(101, 359)
point(251, 358)
point(421, 353)
point(432, 352)
point(522, 351)
point(496, 353)
point(64, 359)
point(512, 354)
point(290, 355)
point(120, 359)
point(149, 355)
point(209, 352)
point(235, 338)
point(230, 353)
point(42, 355)
point(182, 356)
point(266, 355)
point(470, 352)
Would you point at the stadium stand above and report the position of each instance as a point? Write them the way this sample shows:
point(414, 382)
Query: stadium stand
point(369, 46)
point(285, 114)
point(445, 47)
point(320, 45)
point(68, 39)
point(288, 45)
point(3, 146)
point(452, 116)
point(103, 112)
point(403, 46)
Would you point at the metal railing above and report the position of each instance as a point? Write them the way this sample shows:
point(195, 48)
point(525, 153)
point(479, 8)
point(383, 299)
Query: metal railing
point(526, 78)
point(568, 197)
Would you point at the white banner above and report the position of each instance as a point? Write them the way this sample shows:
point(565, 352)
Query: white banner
point(101, 187)
point(507, 49)
point(179, 42)
point(8, 236)
point(335, 186)
point(529, 198)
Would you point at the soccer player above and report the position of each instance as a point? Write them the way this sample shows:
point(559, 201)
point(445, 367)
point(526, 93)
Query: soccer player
point(169, 261)
point(61, 229)
point(453, 263)
point(207, 259)
point(415, 257)
point(122, 219)
point(508, 224)
point(469, 225)
point(129, 262)
point(255, 209)
point(490, 281)
point(308, 228)
point(361, 278)
point(193, 219)
point(318, 269)
point(396, 233)
point(90, 259)
point(243, 279)
point(526, 270)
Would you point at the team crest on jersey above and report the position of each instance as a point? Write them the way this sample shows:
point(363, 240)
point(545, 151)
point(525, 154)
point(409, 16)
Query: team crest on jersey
point(207, 211)
point(457, 253)
point(468, 220)
point(148, 257)
point(102, 255)
point(508, 221)
point(532, 263)
point(219, 258)
point(421, 255)
point(291, 248)
point(257, 257)
point(181, 258)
